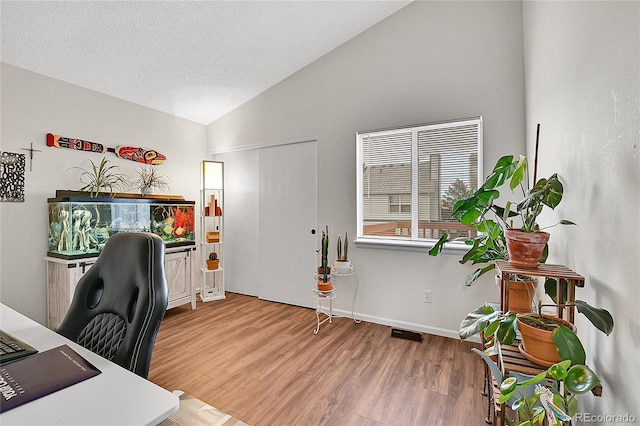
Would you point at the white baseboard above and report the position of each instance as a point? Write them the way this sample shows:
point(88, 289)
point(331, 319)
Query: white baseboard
point(453, 334)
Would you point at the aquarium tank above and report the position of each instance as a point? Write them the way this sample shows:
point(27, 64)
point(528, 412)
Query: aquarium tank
point(80, 225)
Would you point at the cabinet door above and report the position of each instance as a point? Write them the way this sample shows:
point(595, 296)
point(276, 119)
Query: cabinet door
point(176, 269)
point(62, 280)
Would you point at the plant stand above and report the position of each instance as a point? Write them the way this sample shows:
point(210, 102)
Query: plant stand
point(504, 269)
point(337, 273)
point(322, 297)
point(510, 360)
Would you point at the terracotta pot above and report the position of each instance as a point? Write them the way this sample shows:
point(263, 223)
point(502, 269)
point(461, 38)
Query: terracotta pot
point(213, 264)
point(322, 286)
point(521, 294)
point(525, 248)
point(537, 344)
point(320, 273)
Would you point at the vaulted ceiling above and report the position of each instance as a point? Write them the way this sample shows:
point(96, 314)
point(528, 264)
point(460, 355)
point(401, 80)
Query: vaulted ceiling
point(192, 59)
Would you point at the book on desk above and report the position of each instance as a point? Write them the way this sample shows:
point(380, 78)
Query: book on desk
point(41, 374)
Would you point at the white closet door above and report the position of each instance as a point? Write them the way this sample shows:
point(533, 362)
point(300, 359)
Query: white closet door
point(241, 261)
point(270, 209)
point(288, 213)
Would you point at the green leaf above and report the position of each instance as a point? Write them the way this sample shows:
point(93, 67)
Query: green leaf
point(538, 415)
point(569, 346)
point(572, 408)
point(535, 379)
point(490, 329)
point(580, 379)
point(599, 317)
point(507, 330)
point(477, 273)
point(517, 404)
point(545, 253)
point(508, 385)
point(519, 173)
point(505, 397)
point(476, 321)
point(553, 192)
point(550, 286)
point(439, 245)
point(559, 371)
point(502, 171)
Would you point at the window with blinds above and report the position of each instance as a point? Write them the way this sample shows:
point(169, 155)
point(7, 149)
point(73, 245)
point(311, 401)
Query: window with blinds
point(409, 179)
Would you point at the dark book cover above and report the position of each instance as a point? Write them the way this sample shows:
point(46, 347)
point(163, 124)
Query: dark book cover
point(41, 374)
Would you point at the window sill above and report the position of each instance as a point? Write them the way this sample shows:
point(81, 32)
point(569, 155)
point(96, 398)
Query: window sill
point(409, 245)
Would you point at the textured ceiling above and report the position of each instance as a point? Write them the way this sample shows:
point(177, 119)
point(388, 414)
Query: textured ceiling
point(193, 59)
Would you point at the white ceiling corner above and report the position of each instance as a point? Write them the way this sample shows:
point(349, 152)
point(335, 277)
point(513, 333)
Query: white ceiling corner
point(193, 59)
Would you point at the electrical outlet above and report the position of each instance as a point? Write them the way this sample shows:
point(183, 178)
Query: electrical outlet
point(427, 296)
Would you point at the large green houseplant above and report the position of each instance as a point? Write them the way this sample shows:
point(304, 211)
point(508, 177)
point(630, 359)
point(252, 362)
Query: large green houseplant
point(481, 212)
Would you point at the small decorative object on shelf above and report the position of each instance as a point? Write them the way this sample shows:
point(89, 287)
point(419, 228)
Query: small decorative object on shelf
point(212, 231)
point(213, 262)
point(213, 237)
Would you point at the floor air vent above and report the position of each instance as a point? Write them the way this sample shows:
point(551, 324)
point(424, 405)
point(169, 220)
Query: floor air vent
point(407, 335)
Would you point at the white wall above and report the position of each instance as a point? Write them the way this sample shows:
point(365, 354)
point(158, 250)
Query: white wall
point(583, 70)
point(34, 105)
point(430, 61)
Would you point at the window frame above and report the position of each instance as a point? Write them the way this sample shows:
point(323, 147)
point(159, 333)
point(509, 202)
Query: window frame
point(413, 241)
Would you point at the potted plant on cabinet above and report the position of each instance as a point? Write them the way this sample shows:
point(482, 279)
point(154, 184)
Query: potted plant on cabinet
point(149, 179)
point(342, 262)
point(103, 176)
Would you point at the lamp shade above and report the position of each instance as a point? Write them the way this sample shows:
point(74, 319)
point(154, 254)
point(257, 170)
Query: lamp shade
point(212, 175)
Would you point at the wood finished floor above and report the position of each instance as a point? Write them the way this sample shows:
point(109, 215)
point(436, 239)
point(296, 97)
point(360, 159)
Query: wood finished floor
point(260, 362)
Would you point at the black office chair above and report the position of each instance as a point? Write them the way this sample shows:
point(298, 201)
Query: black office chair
point(119, 303)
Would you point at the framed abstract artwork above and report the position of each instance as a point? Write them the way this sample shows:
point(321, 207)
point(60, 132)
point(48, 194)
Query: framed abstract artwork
point(12, 167)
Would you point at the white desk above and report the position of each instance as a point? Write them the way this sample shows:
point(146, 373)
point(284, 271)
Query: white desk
point(115, 397)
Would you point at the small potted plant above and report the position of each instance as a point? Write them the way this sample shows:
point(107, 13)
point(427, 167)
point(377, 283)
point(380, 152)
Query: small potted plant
point(502, 328)
point(149, 180)
point(104, 176)
point(324, 271)
point(213, 262)
point(342, 262)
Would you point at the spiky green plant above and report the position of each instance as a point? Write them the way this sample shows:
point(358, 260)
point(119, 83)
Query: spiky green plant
point(343, 255)
point(325, 254)
point(148, 177)
point(103, 176)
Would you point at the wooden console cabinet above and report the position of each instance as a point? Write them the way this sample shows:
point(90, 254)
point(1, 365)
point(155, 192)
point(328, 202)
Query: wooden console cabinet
point(63, 276)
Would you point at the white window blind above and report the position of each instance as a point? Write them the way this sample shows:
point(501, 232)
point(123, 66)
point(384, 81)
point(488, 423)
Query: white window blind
point(410, 178)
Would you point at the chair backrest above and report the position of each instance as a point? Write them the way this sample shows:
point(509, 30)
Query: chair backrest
point(119, 303)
